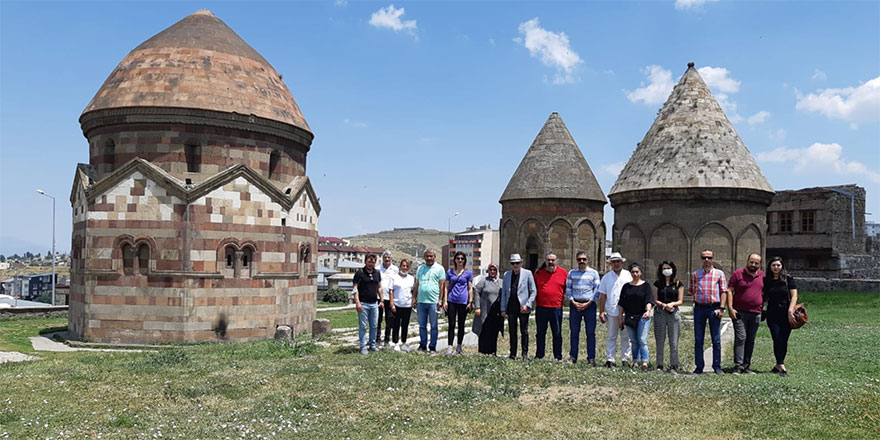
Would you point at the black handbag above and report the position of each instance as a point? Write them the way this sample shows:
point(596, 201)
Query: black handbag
point(632, 320)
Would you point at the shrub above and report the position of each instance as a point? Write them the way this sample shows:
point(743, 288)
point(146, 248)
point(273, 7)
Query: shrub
point(335, 296)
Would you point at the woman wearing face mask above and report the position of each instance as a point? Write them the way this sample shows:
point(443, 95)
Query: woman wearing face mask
point(668, 295)
point(636, 300)
point(780, 294)
point(487, 317)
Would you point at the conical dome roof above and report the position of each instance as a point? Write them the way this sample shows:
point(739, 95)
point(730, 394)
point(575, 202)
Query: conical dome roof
point(554, 167)
point(199, 63)
point(691, 144)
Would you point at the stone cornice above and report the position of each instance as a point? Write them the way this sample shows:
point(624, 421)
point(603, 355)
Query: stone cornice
point(691, 194)
point(178, 115)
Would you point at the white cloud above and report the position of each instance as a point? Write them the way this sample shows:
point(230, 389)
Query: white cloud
point(353, 123)
point(390, 18)
point(819, 75)
point(658, 88)
point(691, 4)
point(717, 79)
point(553, 49)
point(780, 134)
point(613, 169)
point(817, 157)
point(341, 3)
point(758, 118)
point(851, 104)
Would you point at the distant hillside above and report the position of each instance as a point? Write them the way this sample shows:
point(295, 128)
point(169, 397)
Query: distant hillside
point(404, 243)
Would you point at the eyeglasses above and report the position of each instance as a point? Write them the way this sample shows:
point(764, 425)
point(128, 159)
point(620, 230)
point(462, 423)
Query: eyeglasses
point(516, 262)
point(708, 258)
point(582, 259)
point(459, 258)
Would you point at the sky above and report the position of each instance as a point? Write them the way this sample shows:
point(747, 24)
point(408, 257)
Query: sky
point(421, 110)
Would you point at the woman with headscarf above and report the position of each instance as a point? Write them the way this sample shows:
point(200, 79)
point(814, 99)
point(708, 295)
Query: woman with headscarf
point(487, 317)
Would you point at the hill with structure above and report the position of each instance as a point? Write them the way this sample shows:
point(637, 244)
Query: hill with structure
point(407, 243)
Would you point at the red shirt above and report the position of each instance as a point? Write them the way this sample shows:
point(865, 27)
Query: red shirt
point(551, 287)
point(748, 291)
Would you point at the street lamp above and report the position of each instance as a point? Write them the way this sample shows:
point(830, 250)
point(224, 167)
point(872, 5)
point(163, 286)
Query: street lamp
point(449, 234)
point(53, 242)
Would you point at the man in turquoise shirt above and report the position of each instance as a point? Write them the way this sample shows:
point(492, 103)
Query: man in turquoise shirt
point(429, 280)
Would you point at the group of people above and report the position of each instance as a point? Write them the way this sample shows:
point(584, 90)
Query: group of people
point(621, 298)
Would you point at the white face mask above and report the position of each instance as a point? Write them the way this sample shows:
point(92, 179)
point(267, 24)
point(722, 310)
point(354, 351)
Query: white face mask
point(667, 272)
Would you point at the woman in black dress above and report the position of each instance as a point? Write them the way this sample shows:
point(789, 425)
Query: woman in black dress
point(487, 318)
point(780, 294)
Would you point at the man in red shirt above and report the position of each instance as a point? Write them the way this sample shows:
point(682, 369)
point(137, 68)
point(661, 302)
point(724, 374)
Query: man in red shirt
point(745, 296)
point(550, 281)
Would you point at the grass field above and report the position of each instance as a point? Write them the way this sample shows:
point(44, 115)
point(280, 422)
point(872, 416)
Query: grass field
point(271, 390)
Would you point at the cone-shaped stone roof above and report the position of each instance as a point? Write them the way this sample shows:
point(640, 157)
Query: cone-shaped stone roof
point(199, 63)
point(554, 167)
point(691, 144)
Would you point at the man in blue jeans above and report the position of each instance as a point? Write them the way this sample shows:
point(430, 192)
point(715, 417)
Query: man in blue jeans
point(426, 288)
point(581, 290)
point(368, 291)
point(709, 288)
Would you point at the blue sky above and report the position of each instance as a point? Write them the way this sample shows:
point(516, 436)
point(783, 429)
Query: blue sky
point(424, 109)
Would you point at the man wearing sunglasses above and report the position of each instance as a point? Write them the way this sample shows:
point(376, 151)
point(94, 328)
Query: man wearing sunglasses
point(709, 288)
point(581, 290)
point(518, 293)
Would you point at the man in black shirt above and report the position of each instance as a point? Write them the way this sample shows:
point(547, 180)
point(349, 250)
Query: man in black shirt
point(367, 291)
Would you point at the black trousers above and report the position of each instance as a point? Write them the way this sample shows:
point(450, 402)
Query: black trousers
point(457, 313)
point(516, 319)
point(780, 330)
point(384, 311)
point(400, 323)
point(492, 326)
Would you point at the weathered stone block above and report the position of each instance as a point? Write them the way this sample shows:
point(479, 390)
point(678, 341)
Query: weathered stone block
point(320, 327)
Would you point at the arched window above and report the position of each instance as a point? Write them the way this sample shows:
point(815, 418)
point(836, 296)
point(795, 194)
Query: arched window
point(127, 259)
point(193, 152)
point(247, 262)
point(273, 162)
point(143, 259)
point(109, 153)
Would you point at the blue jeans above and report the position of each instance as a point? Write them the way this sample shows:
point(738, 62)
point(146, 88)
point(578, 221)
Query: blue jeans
point(368, 316)
point(427, 312)
point(552, 316)
point(588, 316)
point(701, 315)
point(639, 338)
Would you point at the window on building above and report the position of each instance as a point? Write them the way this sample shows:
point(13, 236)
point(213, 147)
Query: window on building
point(110, 152)
point(808, 221)
point(247, 262)
point(143, 259)
point(193, 152)
point(784, 221)
point(812, 263)
point(274, 158)
point(127, 259)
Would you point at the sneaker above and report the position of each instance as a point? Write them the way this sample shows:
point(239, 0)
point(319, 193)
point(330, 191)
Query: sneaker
point(405, 348)
point(737, 370)
point(449, 351)
point(749, 371)
point(458, 350)
point(609, 364)
point(592, 362)
point(719, 371)
point(396, 347)
point(572, 360)
point(375, 348)
point(365, 351)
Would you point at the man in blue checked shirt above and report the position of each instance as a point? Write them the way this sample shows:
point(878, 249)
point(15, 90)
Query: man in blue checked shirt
point(580, 289)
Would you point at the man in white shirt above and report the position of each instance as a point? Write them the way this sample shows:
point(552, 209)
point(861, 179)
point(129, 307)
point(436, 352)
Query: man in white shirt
point(609, 294)
point(387, 270)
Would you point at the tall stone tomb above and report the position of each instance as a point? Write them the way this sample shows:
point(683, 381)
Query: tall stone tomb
point(690, 185)
point(553, 203)
point(194, 219)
